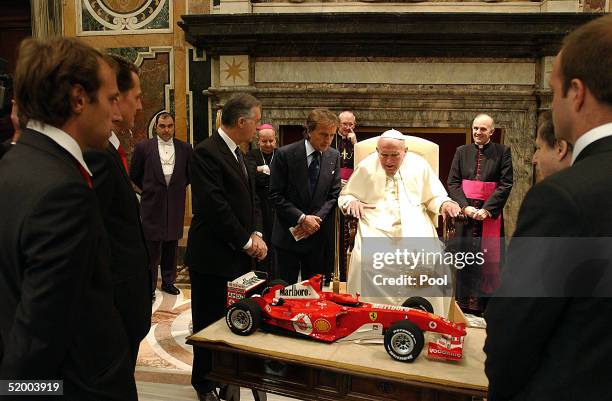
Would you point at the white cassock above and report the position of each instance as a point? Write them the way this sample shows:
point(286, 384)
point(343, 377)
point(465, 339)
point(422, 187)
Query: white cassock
point(407, 205)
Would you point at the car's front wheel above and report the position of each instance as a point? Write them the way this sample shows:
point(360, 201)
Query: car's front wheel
point(404, 341)
point(244, 317)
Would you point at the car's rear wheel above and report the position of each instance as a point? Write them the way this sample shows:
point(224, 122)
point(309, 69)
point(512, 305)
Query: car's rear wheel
point(419, 303)
point(404, 341)
point(244, 317)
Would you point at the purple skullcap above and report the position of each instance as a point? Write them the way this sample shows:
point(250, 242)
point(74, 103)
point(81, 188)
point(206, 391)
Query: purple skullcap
point(265, 126)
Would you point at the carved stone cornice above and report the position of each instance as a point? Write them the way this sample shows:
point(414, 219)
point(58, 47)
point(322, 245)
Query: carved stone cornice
point(382, 34)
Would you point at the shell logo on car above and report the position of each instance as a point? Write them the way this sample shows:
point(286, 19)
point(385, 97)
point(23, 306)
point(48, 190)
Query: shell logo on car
point(322, 325)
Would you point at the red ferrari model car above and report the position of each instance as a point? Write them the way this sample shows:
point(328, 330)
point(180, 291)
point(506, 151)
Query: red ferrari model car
point(305, 309)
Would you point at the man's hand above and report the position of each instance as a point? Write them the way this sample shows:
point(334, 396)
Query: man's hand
point(353, 138)
point(258, 248)
point(357, 208)
point(470, 211)
point(449, 209)
point(300, 232)
point(310, 225)
point(264, 168)
point(481, 214)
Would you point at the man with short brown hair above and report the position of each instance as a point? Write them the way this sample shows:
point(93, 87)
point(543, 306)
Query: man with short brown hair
point(547, 331)
point(57, 315)
point(304, 189)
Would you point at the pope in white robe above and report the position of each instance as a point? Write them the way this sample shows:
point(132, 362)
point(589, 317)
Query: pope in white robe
point(395, 194)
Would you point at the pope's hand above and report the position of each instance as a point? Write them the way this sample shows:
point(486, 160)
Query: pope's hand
point(449, 209)
point(357, 208)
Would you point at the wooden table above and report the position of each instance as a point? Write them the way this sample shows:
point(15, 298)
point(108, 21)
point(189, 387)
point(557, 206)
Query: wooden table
point(311, 370)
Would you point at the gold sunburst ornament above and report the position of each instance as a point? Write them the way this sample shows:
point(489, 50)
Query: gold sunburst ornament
point(234, 70)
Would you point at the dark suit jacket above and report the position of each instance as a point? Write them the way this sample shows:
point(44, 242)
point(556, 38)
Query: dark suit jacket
point(262, 187)
point(128, 252)
point(225, 211)
point(162, 207)
point(4, 147)
point(496, 166)
point(290, 196)
point(555, 348)
point(57, 315)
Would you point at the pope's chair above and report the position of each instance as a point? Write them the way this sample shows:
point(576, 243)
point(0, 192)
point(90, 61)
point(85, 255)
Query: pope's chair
point(426, 149)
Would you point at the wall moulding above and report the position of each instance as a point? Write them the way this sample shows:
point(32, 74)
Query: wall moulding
point(382, 34)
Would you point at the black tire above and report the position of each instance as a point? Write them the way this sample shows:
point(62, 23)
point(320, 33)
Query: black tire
point(244, 317)
point(272, 283)
point(404, 341)
point(419, 303)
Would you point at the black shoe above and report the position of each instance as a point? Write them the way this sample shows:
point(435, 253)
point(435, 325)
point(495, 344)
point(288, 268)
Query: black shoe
point(209, 396)
point(170, 289)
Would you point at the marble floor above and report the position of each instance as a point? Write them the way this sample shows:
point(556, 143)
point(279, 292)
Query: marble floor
point(163, 369)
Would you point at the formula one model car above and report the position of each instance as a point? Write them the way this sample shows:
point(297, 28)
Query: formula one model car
point(306, 310)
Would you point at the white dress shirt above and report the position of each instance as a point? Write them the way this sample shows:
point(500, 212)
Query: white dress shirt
point(589, 137)
point(114, 140)
point(62, 139)
point(167, 157)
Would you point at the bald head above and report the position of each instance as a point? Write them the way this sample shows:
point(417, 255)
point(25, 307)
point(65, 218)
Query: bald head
point(266, 138)
point(482, 129)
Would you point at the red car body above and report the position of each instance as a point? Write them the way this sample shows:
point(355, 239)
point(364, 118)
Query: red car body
point(304, 308)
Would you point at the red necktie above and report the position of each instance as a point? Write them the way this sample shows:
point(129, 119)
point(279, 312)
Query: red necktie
point(85, 175)
point(123, 159)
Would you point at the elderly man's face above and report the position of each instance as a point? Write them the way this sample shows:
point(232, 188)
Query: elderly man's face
point(322, 136)
point(247, 126)
point(347, 123)
point(266, 140)
point(482, 130)
point(391, 154)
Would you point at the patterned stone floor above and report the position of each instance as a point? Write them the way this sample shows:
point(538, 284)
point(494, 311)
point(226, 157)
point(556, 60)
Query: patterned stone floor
point(163, 370)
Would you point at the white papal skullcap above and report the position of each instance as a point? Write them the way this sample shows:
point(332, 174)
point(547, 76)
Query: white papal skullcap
point(393, 133)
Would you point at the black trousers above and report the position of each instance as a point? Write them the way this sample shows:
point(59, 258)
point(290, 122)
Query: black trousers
point(162, 254)
point(208, 298)
point(289, 264)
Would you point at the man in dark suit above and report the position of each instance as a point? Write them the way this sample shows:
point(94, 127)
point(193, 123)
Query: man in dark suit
point(557, 347)
point(225, 233)
point(262, 158)
point(57, 315)
point(304, 189)
point(119, 207)
point(480, 181)
point(160, 169)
